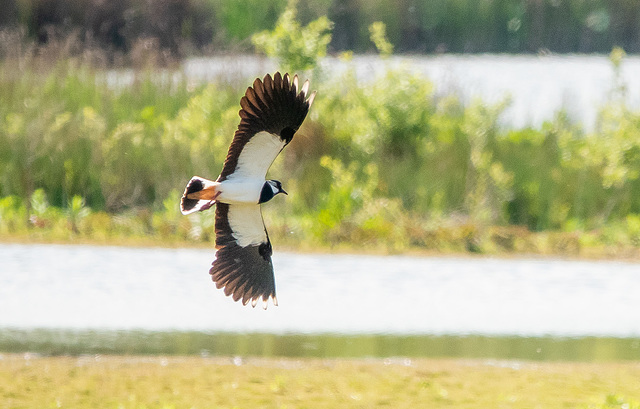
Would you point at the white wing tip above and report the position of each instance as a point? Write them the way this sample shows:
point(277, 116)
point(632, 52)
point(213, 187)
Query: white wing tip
point(295, 83)
point(265, 302)
point(311, 98)
point(305, 88)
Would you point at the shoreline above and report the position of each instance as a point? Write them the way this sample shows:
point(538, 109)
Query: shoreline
point(319, 345)
point(605, 254)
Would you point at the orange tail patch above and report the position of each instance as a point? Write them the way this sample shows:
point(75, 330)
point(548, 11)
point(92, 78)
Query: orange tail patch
point(200, 194)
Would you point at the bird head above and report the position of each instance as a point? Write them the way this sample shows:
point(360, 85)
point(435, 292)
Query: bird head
point(276, 186)
point(270, 189)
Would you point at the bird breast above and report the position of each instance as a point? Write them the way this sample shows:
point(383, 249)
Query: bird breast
point(238, 191)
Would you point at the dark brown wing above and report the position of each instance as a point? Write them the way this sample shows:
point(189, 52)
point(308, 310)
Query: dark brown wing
point(243, 265)
point(276, 106)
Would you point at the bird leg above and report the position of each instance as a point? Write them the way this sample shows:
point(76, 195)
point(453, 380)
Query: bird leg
point(211, 202)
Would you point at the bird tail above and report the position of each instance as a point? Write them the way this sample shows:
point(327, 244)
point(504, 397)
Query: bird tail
point(200, 194)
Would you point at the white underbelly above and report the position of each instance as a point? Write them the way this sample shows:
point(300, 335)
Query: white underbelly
point(240, 191)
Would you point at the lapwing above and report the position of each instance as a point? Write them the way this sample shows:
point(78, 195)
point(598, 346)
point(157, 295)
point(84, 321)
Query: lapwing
point(272, 111)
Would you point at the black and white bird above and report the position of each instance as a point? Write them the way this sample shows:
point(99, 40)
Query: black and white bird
point(272, 111)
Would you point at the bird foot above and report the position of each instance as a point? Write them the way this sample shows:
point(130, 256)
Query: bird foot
point(211, 202)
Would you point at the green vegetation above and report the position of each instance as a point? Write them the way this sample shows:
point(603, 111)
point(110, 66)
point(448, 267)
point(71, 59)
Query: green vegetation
point(85, 159)
point(29, 381)
point(296, 48)
point(186, 26)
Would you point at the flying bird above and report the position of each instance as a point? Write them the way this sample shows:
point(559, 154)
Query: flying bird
point(271, 112)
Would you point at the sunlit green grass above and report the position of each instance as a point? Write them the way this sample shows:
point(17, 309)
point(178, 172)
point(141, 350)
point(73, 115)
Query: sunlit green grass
point(167, 228)
point(95, 382)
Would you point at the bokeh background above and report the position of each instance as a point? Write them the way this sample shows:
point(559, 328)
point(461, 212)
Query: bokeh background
point(465, 187)
point(108, 108)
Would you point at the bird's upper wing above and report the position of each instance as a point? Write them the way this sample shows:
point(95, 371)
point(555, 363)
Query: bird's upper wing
point(272, 111)
point(243, 258)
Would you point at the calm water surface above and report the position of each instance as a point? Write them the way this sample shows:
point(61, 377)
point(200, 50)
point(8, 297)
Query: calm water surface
point(539, 86)
point(86, 287)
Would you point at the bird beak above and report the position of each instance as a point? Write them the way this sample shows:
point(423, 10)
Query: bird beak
point(282, 191)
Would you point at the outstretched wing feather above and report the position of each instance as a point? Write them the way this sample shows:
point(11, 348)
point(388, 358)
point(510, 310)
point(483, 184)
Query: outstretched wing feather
point(245, 272)
point(270, 105)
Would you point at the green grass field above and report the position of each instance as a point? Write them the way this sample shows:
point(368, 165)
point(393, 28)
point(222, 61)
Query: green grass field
point(194, 382)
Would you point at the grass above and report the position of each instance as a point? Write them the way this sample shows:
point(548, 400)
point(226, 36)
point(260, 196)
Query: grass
point(28, 381)
point(144, 228)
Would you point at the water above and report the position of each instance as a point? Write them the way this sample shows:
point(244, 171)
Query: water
point(539, 86)
point(116, 288)
point(77, 342)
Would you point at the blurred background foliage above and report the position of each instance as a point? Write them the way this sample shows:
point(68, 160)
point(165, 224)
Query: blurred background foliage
point(82, 158)
point(183, 26)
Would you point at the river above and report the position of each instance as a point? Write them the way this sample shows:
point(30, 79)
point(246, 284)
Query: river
point(159, 289)
point(538, 85)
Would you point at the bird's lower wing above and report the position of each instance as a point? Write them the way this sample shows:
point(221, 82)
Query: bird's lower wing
point(243, 264)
